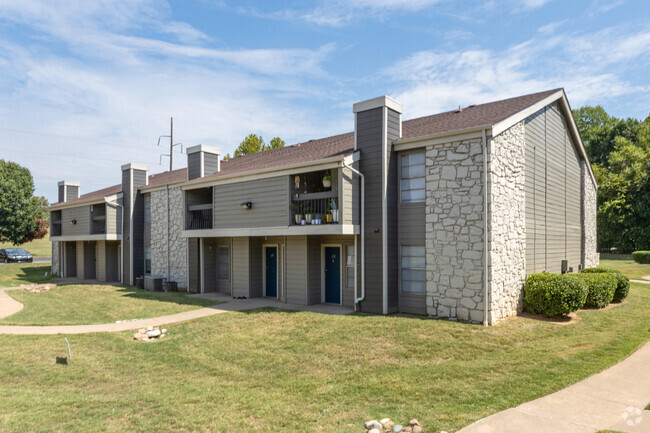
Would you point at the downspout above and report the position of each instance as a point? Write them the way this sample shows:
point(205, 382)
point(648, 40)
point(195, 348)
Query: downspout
point(485, 231)
point(363, 237)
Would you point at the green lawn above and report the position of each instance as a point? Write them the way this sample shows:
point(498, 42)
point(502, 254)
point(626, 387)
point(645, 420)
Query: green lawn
point(90, 304)
point(268, 371)
point(15, 274)
point(625, 264)
point(38, 248)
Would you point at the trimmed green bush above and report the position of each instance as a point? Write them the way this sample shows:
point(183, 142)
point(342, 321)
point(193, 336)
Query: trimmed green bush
point(601, 286)
point(622, 282)
point(642, 257)
point(554, 294)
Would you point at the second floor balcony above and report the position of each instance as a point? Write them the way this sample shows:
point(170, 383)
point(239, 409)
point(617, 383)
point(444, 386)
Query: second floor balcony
point(198, 217)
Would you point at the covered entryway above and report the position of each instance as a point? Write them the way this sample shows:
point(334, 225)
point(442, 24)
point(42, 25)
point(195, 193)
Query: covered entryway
point(271, 271)
point(332, 270)
point(70, 259)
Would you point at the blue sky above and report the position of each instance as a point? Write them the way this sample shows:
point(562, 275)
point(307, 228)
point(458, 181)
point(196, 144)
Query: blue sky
point(86, 86)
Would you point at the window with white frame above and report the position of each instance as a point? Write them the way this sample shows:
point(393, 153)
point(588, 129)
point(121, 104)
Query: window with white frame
point(349, 266)
point(147, 260)
point(223, 263)
point(412, 177)
point(413, 269)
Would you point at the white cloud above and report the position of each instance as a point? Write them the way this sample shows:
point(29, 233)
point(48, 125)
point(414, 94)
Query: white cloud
point(591, 67)
point(90, 72)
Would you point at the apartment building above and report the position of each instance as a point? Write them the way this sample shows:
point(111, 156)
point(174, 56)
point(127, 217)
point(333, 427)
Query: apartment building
point(443, 215)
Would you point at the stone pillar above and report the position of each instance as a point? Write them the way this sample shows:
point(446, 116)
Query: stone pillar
point(454, 230)
point(56, 259)
point(589, 226)
point(166, 236)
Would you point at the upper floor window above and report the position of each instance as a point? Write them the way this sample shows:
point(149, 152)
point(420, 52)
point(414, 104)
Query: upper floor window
point(412, 177)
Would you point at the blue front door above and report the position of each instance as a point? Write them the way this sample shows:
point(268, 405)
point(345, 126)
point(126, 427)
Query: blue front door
point(333, 275)
point(271, 272)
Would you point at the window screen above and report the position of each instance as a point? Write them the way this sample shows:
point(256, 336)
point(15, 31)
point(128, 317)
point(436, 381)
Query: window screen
point(412, 177)
point(413, 269)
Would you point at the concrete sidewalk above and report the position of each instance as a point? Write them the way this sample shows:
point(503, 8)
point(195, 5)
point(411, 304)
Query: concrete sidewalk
point(10, 306)
point(611, 400)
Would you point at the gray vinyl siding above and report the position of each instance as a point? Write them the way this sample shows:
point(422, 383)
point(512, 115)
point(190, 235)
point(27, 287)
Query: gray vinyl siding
point(553, 194)
point(139, 180)
point(112, 261)
point(194, 165)
point(80, 260)
point(296, 262)
point(240, 267)
point(193, 261)
point(71, 192)
point(411, 230)
point(209, 265)
point(349, 202)
point(61, 189)
point(100, 261)
point(210, 164)
point(369, 136)
point(225, 285)
point(314, 270)
point(82, 215)
point(70, 259)
point(270, 199)
point(90, 262)
point(256, 269)
point(392, 198)
point(126, 253)
point(113, 219)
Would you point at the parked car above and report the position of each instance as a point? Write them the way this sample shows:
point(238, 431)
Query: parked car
point(16, 255)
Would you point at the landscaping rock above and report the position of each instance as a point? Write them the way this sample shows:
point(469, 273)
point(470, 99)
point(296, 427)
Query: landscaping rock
point(149, 334)
point(396, 428)
point(37, 288)
point(372, 424)
point(374, 430)
point(417, 429)
point(414, 422)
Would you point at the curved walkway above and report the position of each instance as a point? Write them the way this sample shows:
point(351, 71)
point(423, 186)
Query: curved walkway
point(611, 400)
point(9, 306)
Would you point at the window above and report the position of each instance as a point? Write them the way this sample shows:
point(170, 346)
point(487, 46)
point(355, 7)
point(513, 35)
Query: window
point(147, 261)
point(223, 263)
point(349, 266)
point(413, 269)
point(412, 177)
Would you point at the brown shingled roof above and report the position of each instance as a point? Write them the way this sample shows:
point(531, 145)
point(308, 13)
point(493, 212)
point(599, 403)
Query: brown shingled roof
point(343, 144)
point(92, 196)
point(470, 117)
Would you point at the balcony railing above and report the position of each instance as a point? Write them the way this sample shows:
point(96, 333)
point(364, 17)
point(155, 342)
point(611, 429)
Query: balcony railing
point(199, 217)
point(315, 208)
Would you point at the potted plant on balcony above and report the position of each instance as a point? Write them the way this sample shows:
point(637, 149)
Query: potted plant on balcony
point(297, 210)
point(308, 215)
point(327, 181)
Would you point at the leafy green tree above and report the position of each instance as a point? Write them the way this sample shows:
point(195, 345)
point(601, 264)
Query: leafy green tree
point(254, 143)
point(620, 154)
point(21, 214)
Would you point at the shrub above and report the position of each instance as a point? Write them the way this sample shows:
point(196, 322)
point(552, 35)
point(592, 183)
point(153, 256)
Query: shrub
point(601, 286)
point(554, 294)
point(641, 257)
point(622, 282)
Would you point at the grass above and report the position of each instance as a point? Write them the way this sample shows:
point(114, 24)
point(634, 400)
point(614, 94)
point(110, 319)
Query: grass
point(267, 371)
point(91, 304)
point(625, 264)
point(38, 247)
point(15, 274)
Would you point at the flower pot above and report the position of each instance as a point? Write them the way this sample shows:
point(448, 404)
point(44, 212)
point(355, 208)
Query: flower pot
point(298, 218)
point(308, 218)
point(329, 218)
point(327, 183)
point(335, 215)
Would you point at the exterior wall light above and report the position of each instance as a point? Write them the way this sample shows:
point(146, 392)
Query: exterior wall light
point(73, 222)
point(246, 205)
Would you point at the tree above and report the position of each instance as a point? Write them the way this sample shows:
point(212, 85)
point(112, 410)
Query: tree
point(20, 211)
point(620, 154)
point(254, 143)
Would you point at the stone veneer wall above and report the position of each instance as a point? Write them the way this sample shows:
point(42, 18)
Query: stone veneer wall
point(159, 234)
point(592, 258)
point(507, 223)
point(55, 258)
point(454, 230)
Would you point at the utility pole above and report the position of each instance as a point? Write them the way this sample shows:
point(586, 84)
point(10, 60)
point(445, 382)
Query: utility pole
point(171, 144)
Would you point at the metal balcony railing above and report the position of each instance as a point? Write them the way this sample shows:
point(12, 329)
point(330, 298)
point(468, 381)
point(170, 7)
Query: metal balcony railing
point(314, 208)
point(198, 219)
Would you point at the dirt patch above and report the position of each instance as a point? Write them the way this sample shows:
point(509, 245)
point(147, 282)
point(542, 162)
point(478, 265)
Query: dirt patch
point(569, 319)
